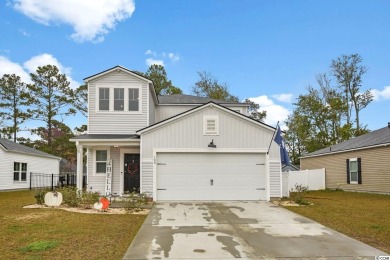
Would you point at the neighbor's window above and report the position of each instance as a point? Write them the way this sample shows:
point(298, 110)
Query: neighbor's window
point(119, 99)
point(101, 160)
point(104, 98)
point(20, 171)
point(133, 99)
point(353, 170)
point(210, 125)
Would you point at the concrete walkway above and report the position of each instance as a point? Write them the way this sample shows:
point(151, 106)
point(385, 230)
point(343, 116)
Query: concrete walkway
point(249, 230)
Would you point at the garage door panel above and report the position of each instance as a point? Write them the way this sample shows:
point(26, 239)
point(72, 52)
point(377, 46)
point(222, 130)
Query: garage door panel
point(187, 176)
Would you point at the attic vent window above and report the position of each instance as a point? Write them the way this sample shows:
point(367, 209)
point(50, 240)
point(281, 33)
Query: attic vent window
point(210, 125)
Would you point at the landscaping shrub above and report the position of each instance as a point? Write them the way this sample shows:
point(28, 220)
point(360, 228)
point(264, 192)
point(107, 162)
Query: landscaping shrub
point(70, 196)
point(40, 195)
point(136, 200)
point(298, 194)
point(88, 198)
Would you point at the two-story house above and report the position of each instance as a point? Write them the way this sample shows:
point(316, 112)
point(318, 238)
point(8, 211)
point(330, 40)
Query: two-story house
point(176, 147)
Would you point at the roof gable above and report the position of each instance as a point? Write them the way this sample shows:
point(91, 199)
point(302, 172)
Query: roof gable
point(116, 69)
point(194, 110)
point(371, 139)
point(10, 146)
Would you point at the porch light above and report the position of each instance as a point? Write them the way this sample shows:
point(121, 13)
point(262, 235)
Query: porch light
point(116, 146)
point(211, 144)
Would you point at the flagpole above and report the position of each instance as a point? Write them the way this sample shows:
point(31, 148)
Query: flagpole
point(276, 128)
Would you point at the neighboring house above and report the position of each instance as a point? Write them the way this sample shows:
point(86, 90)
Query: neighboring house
point(176, 147)
point(359, 164)
point(288, 168)
point(18, 161)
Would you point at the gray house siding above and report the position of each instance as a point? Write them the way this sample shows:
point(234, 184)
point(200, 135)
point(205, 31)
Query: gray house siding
point(375, 170)
point(234, 133)
point(124, 122)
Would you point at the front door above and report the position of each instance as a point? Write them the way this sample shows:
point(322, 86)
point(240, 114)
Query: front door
point(132, 179)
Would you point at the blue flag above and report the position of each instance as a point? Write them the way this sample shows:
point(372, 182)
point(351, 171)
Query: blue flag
point(283, 151)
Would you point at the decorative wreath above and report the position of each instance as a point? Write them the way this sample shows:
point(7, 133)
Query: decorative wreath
point(132, 168)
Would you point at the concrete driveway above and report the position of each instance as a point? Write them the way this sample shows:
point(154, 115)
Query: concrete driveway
point(238, 229)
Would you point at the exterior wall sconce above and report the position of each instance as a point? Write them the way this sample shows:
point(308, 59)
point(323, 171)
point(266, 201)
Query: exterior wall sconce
point(116, 146)
point(211, 144)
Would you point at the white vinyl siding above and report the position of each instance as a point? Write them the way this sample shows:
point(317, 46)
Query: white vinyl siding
point(117, 122)
point(33, 163)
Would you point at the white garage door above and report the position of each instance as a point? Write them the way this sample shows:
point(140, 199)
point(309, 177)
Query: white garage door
point(211, 176)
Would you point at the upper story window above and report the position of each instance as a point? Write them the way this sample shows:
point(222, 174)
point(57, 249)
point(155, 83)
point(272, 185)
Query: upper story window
point(133, 99)
point(20, 171)
point(211, 125)
point(119, 99)
point(104, 98)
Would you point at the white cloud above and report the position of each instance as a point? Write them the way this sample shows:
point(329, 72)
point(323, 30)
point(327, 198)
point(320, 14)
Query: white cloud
point(381, 94)
point(287, 98)
point(159, 58)
point(151, 61)
point(9, 67)
point(275, 113)
point(173, 57)
point(30, 66)
point(90, 20)
point(24, 33)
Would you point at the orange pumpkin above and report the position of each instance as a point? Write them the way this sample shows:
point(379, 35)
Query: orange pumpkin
point(105, 203)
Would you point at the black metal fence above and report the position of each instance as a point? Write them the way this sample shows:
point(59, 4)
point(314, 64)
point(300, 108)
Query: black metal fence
point(49, 181)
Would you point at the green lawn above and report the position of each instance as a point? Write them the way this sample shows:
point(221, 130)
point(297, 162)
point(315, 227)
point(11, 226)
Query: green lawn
point(363, 216)
point(58, 234)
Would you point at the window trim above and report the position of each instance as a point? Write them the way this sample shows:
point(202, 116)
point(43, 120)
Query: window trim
point(107, 149)
point(111, 88)
point(20, 171)
point(216, 120)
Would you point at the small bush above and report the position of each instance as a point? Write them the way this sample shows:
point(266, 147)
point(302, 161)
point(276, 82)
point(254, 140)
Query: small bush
point(136, 200)
point(298, 194)
point(70, 196)
point(40, 196)
point(88, 198)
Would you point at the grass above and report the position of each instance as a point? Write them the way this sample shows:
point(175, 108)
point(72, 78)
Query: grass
point(363, 216)
point(57, 234)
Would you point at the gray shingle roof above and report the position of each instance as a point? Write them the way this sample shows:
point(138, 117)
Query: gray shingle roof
point(18, 148)
point(104, 136)
point(377, 137)
point(188, 99)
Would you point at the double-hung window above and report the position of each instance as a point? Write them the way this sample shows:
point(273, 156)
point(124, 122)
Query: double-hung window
point(104, 99)
point(20, 171)
point(119, 99)
point(354, 172)
point(133, 99)
point(101, 161)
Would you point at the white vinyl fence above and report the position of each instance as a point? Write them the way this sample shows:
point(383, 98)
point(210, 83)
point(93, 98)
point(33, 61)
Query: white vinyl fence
point(314, 179)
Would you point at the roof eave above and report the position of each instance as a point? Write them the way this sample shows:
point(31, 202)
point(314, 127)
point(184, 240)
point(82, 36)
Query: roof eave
point(117, 68)
point(33, 154)
point(347, 150)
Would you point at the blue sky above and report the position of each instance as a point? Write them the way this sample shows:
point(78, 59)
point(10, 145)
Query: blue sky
point(265, 50)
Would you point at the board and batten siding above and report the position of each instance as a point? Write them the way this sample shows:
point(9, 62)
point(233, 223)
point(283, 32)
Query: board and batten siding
point(36, 164)
point(187, 133)
point(114, 122)
point(374, 163)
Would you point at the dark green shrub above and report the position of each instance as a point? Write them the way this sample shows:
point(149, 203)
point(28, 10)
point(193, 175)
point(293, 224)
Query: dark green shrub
point(40, 195)
point(88, 198)
point(70, 196)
